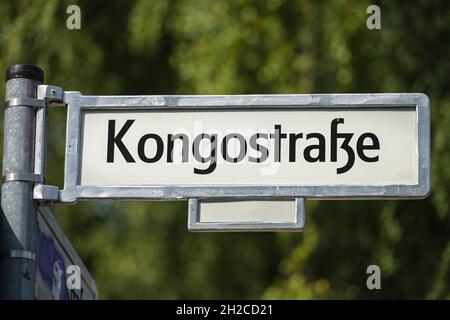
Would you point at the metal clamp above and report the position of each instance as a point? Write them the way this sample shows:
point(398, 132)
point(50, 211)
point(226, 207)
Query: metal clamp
point(45, 93)
point(17, 253)
point(28, 177)
point(25, 102)
point(46, 193)
point(52, 94)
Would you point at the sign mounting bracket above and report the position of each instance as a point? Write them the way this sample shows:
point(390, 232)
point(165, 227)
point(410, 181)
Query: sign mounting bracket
point(50, 96)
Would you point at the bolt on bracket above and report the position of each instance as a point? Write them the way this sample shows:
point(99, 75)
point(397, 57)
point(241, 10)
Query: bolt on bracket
point(52, 94)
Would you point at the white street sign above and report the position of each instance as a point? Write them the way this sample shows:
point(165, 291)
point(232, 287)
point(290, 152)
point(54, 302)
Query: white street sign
point(167, 147)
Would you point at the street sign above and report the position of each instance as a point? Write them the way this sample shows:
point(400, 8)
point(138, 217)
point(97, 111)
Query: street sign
point(56, 262)
point(250, 146)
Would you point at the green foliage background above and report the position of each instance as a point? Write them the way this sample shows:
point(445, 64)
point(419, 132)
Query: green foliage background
point(142, 249)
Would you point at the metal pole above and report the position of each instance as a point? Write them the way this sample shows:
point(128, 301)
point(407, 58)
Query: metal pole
point(18, 222)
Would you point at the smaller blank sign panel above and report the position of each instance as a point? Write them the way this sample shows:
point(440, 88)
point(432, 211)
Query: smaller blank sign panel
point(246, 215)
point(266, 147)
point(247, 211)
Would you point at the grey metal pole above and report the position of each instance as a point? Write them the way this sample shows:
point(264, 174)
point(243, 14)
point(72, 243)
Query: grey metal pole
point(18, 218)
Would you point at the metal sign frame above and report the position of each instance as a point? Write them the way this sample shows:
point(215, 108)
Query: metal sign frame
point(194, 223)
point(78, 103)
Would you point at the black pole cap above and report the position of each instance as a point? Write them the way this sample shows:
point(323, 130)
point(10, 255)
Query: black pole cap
point(28, 71)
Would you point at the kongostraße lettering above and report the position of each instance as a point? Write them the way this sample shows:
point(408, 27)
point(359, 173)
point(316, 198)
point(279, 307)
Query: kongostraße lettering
point(314, 146)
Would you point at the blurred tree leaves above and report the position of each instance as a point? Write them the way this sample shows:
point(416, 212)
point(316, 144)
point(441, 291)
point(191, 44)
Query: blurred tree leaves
point(142, 249)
